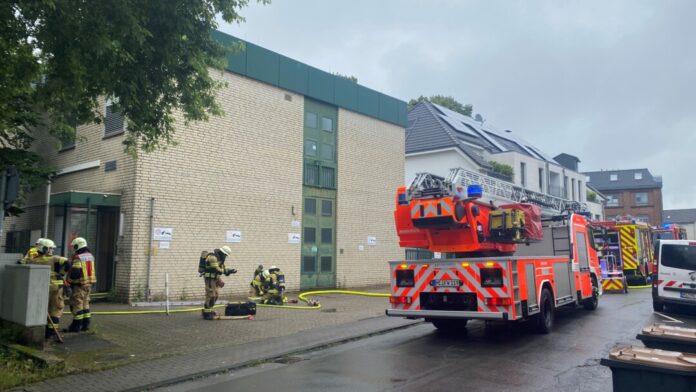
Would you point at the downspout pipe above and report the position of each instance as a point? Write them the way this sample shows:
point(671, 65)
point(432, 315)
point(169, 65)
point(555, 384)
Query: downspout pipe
point(149, 248)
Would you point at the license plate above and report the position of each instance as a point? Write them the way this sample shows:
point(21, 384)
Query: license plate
point(445, 282)
point(688, 295)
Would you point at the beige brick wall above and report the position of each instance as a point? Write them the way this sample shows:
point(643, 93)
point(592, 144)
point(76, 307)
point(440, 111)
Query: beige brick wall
point(241, 172)
point(370, 168)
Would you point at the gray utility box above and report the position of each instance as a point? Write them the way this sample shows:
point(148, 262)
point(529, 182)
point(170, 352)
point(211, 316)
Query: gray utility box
point(24, 298)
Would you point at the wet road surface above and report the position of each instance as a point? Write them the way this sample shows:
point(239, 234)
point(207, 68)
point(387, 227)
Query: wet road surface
point(494, 357)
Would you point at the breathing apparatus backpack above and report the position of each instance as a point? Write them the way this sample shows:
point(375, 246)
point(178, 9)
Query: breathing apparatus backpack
point(201, 262)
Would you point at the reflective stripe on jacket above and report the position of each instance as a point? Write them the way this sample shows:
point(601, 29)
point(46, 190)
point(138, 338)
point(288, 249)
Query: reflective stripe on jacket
point(59, 266)
point(213, 267)
point(82, 271)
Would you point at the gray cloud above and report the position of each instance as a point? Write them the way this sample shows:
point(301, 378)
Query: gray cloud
point(611, 82)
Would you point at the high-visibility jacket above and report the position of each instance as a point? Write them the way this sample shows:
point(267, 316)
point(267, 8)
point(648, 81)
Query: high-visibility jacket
point(275, 283)
point(82, 269)
point(213, 266)
point(59, 266)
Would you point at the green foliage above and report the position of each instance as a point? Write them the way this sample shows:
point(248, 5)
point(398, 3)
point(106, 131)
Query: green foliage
point(61, 57)
point(502, 168)
point(18, 370)
point(349, 77)
point(448, 102)
point(591, 196)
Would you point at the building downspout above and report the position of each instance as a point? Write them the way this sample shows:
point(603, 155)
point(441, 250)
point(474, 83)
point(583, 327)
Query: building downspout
point(149, 249)
point(47, 210)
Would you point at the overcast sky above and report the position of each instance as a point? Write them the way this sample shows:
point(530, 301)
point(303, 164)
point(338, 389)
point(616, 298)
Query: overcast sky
point(613, 83)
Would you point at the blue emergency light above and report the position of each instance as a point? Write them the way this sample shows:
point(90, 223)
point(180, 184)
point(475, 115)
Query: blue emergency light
point(666, 226)
point(474, 191)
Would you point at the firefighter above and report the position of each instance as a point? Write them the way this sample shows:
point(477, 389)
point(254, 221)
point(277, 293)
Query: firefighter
point(256, 289)
point(81, 277)
point(33, 251)
point(58, 267)
point(214, 267)
point(274, 286)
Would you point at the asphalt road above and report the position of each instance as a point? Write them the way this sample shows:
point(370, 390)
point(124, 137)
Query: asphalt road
point(497, 357)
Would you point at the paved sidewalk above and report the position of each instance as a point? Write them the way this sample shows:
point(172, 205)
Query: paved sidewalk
point(157, 350)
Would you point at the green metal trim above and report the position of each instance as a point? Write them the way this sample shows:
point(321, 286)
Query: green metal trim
point(270, 67)
point(86, 198)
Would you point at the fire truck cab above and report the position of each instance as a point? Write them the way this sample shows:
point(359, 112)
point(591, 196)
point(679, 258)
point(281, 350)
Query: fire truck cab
point(494, 276)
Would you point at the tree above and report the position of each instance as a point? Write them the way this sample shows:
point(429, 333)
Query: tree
point(60, 57)
point(448, 102)
point(352, 78)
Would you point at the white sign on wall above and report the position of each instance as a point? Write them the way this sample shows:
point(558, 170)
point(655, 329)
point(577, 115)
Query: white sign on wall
point(162, 233)
point(233, 236)
point(295, 223)
point(361, 247)
point(371, 240)
point(164, 244)
point(293, 238)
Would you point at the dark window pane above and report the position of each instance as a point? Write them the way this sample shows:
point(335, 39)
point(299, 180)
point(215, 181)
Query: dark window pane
point(326, 264)
point(327, 152)
point(326, 236)
point(311, 175)
point(310, 148)
point(326, 124)
point(311, 120)
point(113, 122)
point(328, 178)
point(310, 206)
point(310, 235)
point(308, 264)
point(326, 207)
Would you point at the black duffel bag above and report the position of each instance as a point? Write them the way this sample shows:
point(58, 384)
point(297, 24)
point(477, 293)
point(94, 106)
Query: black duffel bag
point(240, 309)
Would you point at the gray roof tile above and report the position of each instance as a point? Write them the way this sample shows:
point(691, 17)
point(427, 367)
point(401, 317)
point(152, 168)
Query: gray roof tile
point(601, 180)
point(679, 216)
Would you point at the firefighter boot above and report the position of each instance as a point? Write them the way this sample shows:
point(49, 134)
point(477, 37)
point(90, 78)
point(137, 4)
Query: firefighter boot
point(74, 326)
point(85, 323)
point(209, 315)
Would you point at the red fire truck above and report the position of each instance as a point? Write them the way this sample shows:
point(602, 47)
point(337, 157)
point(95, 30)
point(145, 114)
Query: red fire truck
point(509, 262)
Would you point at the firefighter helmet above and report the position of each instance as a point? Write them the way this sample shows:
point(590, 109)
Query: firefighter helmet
point(38, 241)
point(46, 245)
point(79, 243)
point(226, 250)
point(266, 274)
point(273, 268)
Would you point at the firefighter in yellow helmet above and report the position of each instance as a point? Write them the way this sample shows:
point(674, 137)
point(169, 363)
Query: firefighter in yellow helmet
point(214, 267)
point(58, 267)
point(81, 277)
point(274, 286)
point(33, 251)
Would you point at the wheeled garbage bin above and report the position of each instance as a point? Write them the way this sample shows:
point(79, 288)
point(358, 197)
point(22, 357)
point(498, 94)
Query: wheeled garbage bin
point(637, 369)
point(667, 337)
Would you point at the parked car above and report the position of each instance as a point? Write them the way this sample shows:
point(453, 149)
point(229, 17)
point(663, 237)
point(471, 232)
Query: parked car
point(674, 273)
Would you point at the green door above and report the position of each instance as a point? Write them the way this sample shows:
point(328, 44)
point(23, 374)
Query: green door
point(318, 264)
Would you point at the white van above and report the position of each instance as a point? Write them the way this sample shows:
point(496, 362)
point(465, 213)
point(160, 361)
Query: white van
point(674, 273)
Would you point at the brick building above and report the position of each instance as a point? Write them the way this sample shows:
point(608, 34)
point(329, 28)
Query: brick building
point(634, 192)
point(300, 172)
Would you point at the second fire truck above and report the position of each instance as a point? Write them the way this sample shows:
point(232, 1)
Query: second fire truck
point(510, 262)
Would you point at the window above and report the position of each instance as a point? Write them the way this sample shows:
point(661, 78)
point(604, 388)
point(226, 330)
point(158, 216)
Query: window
point(312, 175)
point(326, 124)
point(326, 264)
point(587, 178)
point(678, 256)
point(311, 120)
point(327, 236)
point(637, 176)
point(541, 179)
point(114, 122)
point(565, 187)
point(643, 218)
point(582, 249)
point(310, 206)
point(67, 141)
point(612, 200)
point(572, 189)
point(310, 148)
point(328, 177)
point(310, 235)
point(523, 174)
point(308, 264)
point(326, 208)
point(641, 198)
point(327, 152)
point(579, 190)
point(613, 177)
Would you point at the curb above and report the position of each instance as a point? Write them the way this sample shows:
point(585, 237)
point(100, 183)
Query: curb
point(270, 358)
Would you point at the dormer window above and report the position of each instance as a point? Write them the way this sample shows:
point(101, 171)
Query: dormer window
point(637, 176)
point(613, 177)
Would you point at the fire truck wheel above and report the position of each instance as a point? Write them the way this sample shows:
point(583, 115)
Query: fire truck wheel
point(545, 317)
point(658, 306)
point(449, 325)
point(592, 302)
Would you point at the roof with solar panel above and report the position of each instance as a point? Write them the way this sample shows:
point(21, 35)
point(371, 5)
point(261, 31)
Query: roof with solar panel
point(433, 127)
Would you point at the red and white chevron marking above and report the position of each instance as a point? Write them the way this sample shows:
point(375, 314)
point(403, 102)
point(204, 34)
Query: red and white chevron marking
point(469, 275)
point(669, 283)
